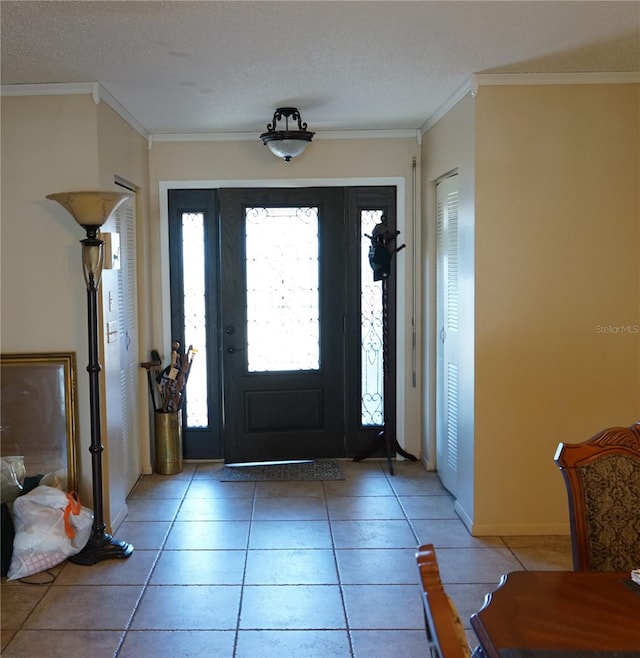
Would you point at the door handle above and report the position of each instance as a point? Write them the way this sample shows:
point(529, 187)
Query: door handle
point(229, 330)
point(443, 334)
point(232, 350)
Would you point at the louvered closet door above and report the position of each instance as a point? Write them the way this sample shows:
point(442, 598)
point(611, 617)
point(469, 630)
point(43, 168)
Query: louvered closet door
point(447, 324)
point(129, 357)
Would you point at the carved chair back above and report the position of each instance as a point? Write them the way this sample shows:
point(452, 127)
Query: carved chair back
point(602, 476)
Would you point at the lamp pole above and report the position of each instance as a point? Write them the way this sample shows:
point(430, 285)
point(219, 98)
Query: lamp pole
point(91, 210)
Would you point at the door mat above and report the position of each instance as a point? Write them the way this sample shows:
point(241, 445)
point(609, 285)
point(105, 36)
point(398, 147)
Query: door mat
point(320, 470)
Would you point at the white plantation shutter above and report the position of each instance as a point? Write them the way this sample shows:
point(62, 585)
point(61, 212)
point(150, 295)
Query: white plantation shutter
point(128, 325)
point(447, 318)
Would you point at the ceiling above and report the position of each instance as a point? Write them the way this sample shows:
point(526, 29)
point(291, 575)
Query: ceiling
point(214, 66)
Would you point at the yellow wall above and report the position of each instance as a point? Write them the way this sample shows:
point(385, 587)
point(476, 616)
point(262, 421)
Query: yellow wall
point(48, 145)
point(557, 240)
point(553, 240)
point(55, 144)
point(122, 152)
point(449, 147)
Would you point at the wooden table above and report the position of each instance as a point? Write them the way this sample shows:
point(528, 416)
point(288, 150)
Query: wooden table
point(539, 614)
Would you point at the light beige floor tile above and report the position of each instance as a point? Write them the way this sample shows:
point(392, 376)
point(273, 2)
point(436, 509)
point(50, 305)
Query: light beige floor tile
point(178, 644)
point(364, 507)
point(291, 607)
point(152, 509)
point(362, 469)
point(556, 542)
point(144, 535)
point(17, 600)
point(426, 484)
point(359, 487)
point(208, 488)
point(293, 644)
point(406, 468)
point(450, 533)
point(191, 605)
point(5, 637)
point(389, 607)
point(544, 559)
point(159, 486)
point(365, 534)
point(199, 568)
point(203, 607)
point(305, 508)
point(385, 566)
point(475, 565)
point(388, 644)
point(468, 598)
point(215, 509)
point(428, 507)
point(63, 644)
point(289, 489)
point(134, 570)
point(208, 535)
point(289, 534)
point(97, 607)
point(291, 567)
point(208, 470)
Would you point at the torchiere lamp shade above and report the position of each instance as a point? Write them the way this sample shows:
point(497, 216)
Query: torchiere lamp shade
point(90, 209)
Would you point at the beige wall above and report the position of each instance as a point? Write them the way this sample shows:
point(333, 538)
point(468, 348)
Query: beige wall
point(553, 240)
point(123, 152)
point(557, 239)
point(325, 162)
point(449, 147)
point(48, 145)
point(54, 144)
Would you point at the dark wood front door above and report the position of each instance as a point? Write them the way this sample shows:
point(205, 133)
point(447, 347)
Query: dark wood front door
point(283, 295)
point(274, 289)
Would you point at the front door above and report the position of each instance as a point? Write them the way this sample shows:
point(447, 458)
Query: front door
point(274, 289)
point(283, 295)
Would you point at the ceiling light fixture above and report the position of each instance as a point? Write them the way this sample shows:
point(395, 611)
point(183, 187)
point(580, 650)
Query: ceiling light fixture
point(287, 143)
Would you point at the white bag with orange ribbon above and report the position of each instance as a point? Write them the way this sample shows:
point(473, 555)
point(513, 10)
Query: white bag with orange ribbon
point(50, 525)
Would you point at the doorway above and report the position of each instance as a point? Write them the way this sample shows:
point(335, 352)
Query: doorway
point(272, 282)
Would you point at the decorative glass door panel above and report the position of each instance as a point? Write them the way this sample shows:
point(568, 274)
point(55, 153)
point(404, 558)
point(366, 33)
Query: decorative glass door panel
point(283, 295)
point(372, 381)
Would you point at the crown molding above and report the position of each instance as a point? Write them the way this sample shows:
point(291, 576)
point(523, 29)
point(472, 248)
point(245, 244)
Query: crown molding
point(478, 80)
point(94, 89)
point(251, 136)
point(456, 97)
point(495, 79)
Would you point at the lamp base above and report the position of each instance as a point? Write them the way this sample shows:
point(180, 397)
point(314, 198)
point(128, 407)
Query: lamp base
point(102, 546)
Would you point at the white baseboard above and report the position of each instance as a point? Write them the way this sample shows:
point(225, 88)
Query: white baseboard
point(120, 517)
point(509, 529)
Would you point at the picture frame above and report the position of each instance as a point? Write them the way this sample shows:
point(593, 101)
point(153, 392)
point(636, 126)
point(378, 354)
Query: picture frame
point(38, 413)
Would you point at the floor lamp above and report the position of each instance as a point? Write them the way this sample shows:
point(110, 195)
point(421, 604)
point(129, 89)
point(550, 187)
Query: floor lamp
point(91, 210)
point(380, 254)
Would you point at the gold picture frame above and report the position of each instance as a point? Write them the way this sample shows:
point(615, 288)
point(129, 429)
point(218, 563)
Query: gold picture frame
point(38, 412)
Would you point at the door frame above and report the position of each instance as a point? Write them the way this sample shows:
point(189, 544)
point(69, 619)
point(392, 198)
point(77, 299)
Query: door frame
point(407, 402)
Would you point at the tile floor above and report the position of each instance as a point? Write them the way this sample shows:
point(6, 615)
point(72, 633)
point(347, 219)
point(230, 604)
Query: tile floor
point(268, 569)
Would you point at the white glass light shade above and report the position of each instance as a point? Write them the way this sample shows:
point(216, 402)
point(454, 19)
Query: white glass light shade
point(90, 209)
point(287, 148)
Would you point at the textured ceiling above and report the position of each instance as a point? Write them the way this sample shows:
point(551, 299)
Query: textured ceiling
point(202, 67)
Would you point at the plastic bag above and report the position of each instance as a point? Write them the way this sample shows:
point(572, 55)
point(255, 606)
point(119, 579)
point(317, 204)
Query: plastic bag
point(50, 526)
point(12, 472)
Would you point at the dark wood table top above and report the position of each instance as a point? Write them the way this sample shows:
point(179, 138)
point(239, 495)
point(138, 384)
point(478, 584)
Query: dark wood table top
point(561, 613)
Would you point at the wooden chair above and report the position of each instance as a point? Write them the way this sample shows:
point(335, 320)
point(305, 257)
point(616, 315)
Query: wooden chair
point(446, 635)
point(602, 476)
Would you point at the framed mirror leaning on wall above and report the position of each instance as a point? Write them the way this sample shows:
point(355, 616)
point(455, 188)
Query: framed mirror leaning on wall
point(38, 415)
